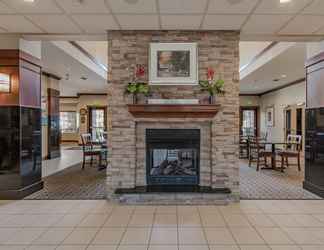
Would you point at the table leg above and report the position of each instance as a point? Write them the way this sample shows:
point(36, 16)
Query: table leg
point(273, 157)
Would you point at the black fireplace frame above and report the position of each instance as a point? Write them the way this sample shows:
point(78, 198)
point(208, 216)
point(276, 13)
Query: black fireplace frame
point(181, 138)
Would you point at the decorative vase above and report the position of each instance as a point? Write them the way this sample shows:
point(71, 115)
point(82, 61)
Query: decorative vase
point(134, 98)
point(211, 99)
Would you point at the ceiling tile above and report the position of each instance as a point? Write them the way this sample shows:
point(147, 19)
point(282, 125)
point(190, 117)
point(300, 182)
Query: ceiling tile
point(181, 21)
point(96, 24)
point(55, 23)
point(275, 7)
point(265, 24)
point(138, 22)
point(140, 7)
point(223, 22)
point(303, 24)
point(18, 24)
point(4, 9)
point(182, 6)
point(86, 7)
point(317, 8)
point(38, 6)
point(228, 7)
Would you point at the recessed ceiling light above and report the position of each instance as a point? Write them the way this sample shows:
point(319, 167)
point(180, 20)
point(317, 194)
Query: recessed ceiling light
point(285, 1)
point(29, 1)
point(283, 76)
point(234, 1)
point(131, 1)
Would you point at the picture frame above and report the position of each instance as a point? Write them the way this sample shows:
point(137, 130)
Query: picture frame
point(173, 64)
point(270, 116)
point(5, 83)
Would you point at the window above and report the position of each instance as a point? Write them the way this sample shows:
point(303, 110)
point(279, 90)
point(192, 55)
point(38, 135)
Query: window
point(68, 122)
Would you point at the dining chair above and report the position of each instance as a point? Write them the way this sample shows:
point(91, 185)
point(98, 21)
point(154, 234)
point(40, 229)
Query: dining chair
point(291, 150)
point(244, 147)
point(89, 150)
point(258, 153)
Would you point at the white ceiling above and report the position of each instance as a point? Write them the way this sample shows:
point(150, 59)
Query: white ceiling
point(57, 62)
point(289, 63)
point(255, 18)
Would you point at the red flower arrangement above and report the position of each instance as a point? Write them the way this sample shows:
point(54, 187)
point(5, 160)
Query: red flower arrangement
point(137, 87)
point(139, 71)
point(211, 86)
point(210, 74)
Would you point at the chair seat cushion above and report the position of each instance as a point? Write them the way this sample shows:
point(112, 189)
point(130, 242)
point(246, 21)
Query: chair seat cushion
point(96, 150)
point(265, 152)
point(288, 153)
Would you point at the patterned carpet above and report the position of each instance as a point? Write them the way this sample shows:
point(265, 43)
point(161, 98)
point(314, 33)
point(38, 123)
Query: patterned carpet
point(73, 184)
point(269, 184)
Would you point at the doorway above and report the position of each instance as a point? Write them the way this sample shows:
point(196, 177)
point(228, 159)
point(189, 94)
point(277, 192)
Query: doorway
point(288, 129)
point(97, 121)
point(249, 121)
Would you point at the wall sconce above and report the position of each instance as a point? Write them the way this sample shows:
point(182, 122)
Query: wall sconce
point(4, 83)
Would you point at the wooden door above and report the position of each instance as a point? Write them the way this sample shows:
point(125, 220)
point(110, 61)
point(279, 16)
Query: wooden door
point(249, 121)
point(54, 134)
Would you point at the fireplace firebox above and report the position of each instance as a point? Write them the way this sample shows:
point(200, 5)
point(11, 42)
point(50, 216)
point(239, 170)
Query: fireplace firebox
point(172, 156)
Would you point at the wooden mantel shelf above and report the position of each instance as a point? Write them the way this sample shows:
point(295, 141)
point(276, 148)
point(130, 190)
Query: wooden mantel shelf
point(173, 110)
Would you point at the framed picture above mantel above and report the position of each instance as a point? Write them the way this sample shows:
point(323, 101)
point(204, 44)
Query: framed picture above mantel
point(173, 64)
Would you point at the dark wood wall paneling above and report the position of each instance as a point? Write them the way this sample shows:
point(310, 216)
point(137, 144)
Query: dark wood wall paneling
point(20, 130)
point(315, 82)
point(25, 73)
point(54, 134)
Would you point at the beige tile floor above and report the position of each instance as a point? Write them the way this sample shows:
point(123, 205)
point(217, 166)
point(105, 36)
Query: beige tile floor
point(100, 225)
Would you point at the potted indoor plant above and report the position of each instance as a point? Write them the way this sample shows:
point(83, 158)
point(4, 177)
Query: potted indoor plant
point(213, 87)
point(136, 87)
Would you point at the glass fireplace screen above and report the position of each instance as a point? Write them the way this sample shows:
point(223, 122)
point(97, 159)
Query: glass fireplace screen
point(173, 162)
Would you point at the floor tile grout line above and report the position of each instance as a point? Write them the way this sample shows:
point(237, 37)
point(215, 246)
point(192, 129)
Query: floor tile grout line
point(151, 230)
point(126, 227)
point(203, 228)
point(229, 229)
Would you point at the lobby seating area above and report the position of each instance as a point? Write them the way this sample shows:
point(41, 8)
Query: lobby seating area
point(73, 182)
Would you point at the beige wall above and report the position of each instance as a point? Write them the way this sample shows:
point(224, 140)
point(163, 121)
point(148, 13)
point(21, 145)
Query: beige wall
point(69, 104)
point(75, 104)
point(280, 99)
point(246, 101)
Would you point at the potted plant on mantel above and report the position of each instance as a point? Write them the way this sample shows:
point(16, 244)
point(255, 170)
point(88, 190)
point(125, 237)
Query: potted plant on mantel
point(136, 87)
point(213, 87)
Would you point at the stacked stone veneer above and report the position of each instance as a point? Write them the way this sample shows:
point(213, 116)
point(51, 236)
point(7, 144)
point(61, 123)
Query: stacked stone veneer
point(219, 135)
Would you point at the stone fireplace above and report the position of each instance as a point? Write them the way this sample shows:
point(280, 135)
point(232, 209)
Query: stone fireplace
point(148, 151)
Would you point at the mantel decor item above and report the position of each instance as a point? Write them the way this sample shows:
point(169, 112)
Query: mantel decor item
point(173, 63)
point(4, 83)
point(213, 87)
point(136, 87)
point(83, 115)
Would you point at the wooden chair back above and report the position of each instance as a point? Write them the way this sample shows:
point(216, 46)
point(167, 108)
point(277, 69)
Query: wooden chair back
point(256, 145)
point(294, 142)
point(87, 144)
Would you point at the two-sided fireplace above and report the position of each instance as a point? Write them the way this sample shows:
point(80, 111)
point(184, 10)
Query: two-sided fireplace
point(172, 156)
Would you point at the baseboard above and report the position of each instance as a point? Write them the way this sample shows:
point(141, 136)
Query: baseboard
point(21, 193)
point(313, 188)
